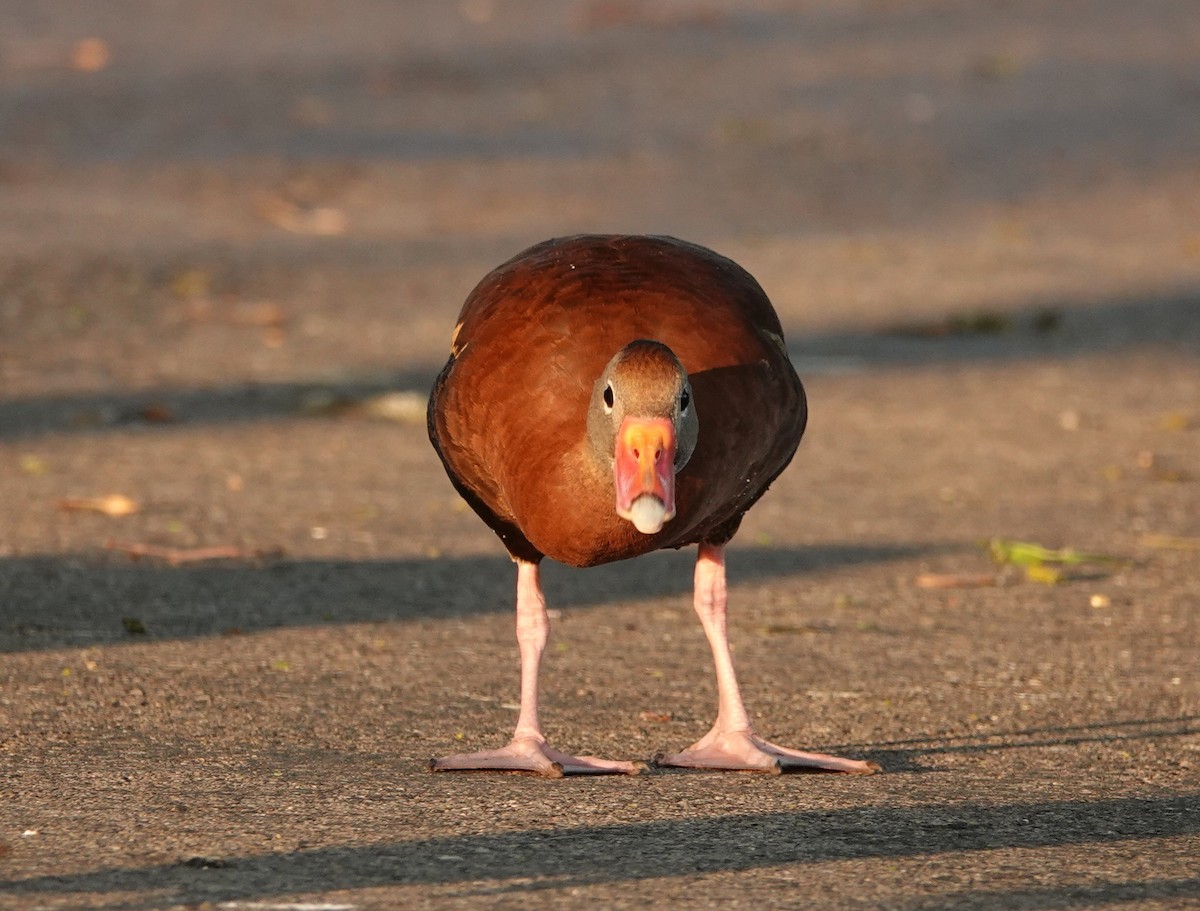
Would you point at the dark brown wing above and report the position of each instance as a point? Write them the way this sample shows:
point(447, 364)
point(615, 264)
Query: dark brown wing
point(508, 413)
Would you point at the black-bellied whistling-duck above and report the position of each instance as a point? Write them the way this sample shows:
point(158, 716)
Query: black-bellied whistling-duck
point(607, 396)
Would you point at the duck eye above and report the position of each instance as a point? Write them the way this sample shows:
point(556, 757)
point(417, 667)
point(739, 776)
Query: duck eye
point(608, 396)
point(685, 399)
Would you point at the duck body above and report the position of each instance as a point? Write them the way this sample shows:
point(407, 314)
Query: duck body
point(509, 413)
point(607, 396)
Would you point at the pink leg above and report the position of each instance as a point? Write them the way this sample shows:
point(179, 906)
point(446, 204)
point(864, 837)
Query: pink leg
point(528, 750)
point(731, 744)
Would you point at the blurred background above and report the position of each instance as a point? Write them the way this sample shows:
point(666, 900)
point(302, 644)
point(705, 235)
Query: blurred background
point(234, 580)
point(345, 173)
point(218, 216)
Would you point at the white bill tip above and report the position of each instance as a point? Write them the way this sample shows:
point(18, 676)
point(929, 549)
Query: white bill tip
point(648, 514)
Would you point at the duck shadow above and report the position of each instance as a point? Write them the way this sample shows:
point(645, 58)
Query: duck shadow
point(565, 857)
point(80, 600)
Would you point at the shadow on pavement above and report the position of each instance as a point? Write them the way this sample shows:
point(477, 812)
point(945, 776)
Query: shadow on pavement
point(557, 858)
point(904, 755)
point(1079, 896)
point(1053, 328)
point(56, 601)
point(1047, 329)
point(232, 404)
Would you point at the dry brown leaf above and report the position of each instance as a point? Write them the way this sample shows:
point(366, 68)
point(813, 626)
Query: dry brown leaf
point(115, 504)
point(955, 580)
point(322, 221)
point(177, 556)
point(157, 413)
point(401, 407)
point(264, 314)
point(256, 314)
point(656, 717)
point(90, 55)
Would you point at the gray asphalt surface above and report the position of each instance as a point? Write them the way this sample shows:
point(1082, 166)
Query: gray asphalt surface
point(233, 242)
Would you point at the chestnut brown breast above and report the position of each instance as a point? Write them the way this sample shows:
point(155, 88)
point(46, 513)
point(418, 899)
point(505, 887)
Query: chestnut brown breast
point(508, 413)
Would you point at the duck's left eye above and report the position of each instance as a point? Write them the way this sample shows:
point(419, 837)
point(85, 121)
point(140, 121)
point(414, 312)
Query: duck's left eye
point(685, 399)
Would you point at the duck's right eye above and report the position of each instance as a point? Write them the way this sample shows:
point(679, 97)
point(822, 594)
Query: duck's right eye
point(608, 396)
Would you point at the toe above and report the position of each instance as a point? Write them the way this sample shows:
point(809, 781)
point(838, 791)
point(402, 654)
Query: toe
point(533, 757)
point(744, 751)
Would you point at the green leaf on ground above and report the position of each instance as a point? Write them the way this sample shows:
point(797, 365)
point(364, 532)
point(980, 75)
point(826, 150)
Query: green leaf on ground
point(1027, 553)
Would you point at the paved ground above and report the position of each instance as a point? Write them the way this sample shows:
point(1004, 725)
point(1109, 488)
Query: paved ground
point(226, 229)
